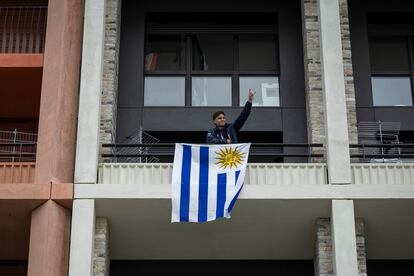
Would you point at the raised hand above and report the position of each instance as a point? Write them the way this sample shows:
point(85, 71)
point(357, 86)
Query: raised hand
point(251, 95)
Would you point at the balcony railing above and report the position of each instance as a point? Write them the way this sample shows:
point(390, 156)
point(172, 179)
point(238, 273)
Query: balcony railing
point(17, 146)
point(382, 174)
point(22, 29)
point(256, 174)
point(264, 150)
point(383, 153)
point(16, 172)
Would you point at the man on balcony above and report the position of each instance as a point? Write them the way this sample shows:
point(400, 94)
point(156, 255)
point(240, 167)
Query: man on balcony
point(224, 133)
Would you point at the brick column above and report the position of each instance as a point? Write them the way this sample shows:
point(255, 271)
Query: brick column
point(110, 73)
point(101, 248)
point(312, 63)
point(323, 258)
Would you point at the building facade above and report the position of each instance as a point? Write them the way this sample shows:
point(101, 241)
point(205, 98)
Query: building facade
point(330, 181)
point(39, 78)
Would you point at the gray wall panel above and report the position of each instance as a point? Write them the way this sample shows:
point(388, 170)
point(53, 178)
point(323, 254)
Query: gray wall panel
point(194, 119)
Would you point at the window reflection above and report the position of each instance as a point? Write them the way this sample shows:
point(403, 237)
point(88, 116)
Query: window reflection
point(258, 52)
point(164, 53)
point(211, 91)
point(164, 91)
point(391, 91)
point(212, 52)
point(267, 90)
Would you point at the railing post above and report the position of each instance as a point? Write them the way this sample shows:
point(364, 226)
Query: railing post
point(14, 142)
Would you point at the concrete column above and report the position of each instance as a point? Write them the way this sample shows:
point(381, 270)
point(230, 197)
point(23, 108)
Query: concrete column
point(82, 238)
point(49, 240)
point(344, 251)
point(87, 149)
point(59, 97)
point(333, 87)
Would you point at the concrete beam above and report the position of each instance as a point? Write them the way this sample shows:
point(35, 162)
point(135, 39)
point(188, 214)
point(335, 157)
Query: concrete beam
point(162, 191)
point(19, 60)
point(87, 150)
point(344, 252)
point(333, 86)
point(82, 238)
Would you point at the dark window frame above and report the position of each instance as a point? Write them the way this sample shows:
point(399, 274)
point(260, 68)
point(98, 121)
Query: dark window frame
point(235, 74)
point(380, 30)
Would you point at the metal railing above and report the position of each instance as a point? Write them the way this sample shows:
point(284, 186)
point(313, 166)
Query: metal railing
point(384, 153)
point(22, 29)
point(138, 137)
point(17, 146)
point(159, 150)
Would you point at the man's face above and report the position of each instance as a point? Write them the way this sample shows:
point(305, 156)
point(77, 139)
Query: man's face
point(220, 120)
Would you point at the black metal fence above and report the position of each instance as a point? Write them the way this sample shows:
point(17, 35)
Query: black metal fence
point(159, 150)
point(386, 152)
point(366, 153)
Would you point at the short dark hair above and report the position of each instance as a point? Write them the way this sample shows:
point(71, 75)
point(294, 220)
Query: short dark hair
point(217, 113)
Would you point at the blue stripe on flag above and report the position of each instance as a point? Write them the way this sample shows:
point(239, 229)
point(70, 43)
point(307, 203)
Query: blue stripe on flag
point(237, 177)
point(203, 185)
point(221, 194)
point(233, 201)
point(185, 183)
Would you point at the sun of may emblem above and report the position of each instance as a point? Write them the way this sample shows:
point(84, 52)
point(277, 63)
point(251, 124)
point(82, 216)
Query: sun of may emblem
point(229, 157)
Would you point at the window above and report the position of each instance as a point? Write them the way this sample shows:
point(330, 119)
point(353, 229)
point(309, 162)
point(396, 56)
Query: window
point(164, 53)
point(211, 59)
point(391, 77)
point(211, 91)
point(391, 91)
point(267, 90)
point(164, 91)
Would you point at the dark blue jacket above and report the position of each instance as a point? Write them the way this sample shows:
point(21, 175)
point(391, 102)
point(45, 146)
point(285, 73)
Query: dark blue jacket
point(214, 137)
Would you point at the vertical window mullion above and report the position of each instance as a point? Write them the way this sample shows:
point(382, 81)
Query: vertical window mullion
point(411, 63)
point(235, 76)
point(188, 69)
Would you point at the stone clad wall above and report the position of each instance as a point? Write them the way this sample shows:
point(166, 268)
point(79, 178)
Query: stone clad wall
point(110, 72)
point(348, 72)
point(323, 258)
point(313, 78)
point(101, 248)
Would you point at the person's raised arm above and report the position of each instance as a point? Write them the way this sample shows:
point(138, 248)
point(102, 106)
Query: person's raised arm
point(239, 122)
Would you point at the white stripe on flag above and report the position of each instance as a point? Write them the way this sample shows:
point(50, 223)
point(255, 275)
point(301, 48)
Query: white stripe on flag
point(212, 187)
point(194, 178)
point(176, 183)
point(231, 185)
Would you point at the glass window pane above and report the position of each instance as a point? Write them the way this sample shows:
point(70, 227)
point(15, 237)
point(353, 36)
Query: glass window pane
point(267, 90)
point(164, 91)
point(211, 91)
point(388, 54)
point(258, 52)
point(212, 52)
point(391, 91)
point(164, 53)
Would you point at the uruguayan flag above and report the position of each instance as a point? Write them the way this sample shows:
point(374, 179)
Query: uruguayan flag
point(207, 180)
